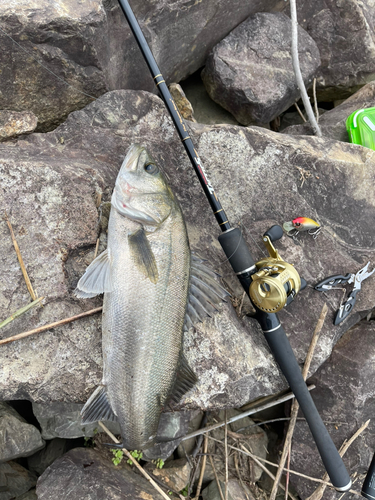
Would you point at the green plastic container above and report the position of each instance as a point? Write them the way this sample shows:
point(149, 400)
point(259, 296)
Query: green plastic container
point(361, 127)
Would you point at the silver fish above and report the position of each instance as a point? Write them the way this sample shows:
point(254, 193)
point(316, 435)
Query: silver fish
point(147, 275)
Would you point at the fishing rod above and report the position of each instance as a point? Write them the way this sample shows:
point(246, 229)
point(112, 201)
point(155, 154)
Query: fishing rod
point(270, 283)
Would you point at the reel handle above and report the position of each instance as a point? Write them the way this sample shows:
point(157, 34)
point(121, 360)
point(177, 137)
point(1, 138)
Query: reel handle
point(283, 353)
point(368, 488)
point(274, 233)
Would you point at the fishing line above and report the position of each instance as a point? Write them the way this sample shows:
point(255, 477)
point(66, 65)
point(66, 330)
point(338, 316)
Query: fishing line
point(259, 248)
point(238, 244)
point(234, 251)
point(45, 67)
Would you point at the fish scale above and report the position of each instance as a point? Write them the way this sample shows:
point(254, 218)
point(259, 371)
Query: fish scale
point(142, 326)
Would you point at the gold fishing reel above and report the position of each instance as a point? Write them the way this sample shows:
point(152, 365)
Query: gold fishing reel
point(276, 282)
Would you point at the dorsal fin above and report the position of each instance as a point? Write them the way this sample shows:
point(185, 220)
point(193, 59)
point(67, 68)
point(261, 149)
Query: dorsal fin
point(205, 293)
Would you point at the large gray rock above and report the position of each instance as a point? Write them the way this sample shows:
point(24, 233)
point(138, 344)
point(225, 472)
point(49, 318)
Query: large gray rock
point(175, 473)
point(251, 436)
point(29, 495)
point(50, 189)
point(54, 449)
point(250, 72)
point(235, 491)
point(63, 420)
point(172, 428)
point(90, 49)
point(15, 480)
point(85, 474)
point(344, 33)
point(17, 437)
point(345, 398)
point(333, 123)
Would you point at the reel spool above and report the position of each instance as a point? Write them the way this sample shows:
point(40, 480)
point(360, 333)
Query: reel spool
point(276, 282)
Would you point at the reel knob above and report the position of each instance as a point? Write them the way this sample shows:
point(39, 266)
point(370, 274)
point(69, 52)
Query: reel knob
point(274, 233)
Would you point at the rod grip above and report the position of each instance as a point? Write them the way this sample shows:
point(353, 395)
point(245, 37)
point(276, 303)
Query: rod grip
point(283, 353)
point(237, 250)
point(368, 488)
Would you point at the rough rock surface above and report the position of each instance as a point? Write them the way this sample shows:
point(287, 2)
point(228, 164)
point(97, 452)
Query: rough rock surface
point(344, 33)
point(13, 123)
point(333, 123)
point(235, 491)
point(54, 449)
point(17, 437)
point(254, 438)
point(187, 446)
point(175, 473)
point(184, 106)
point(205, 109)
point(90, 49)
point(29, 495)
point(250, 72)
point(344, 396)
point(50, 188)
point(84, 473)
point(15, 480)
point(172, 427)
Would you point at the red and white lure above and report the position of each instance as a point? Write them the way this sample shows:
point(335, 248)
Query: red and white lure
point(301, 224)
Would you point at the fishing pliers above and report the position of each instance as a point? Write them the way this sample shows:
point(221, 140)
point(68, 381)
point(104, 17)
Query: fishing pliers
point(332, 282)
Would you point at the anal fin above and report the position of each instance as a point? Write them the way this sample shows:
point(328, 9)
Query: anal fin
point(185, 380)
point(98, 407)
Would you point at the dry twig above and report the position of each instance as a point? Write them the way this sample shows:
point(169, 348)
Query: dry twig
point(295, 473)
point(288, 474)
point(204, 461)
point(305, 174)
point(20, 260)
point(295, 405)
point(259, 463)
point(315, 101)
point(21, 311)
point(297, 70)
point(96, 248)
point(51, 325)
point(226, 453)
point(300, 112)
point(256, 409)
point(217, 479)
point(139, 467)
point(239, 475)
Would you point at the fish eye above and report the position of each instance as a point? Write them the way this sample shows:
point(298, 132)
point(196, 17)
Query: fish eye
point(297, 223)
point(151, 168)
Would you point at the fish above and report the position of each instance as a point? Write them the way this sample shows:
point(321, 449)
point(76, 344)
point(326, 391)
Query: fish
point(154, 289)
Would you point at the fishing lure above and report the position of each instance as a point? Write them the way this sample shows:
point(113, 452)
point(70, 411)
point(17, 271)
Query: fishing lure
point(301, 224)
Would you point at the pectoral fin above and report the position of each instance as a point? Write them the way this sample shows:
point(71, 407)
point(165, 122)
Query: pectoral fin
point(98, 407)
point(143, 256)
point(97, 278)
